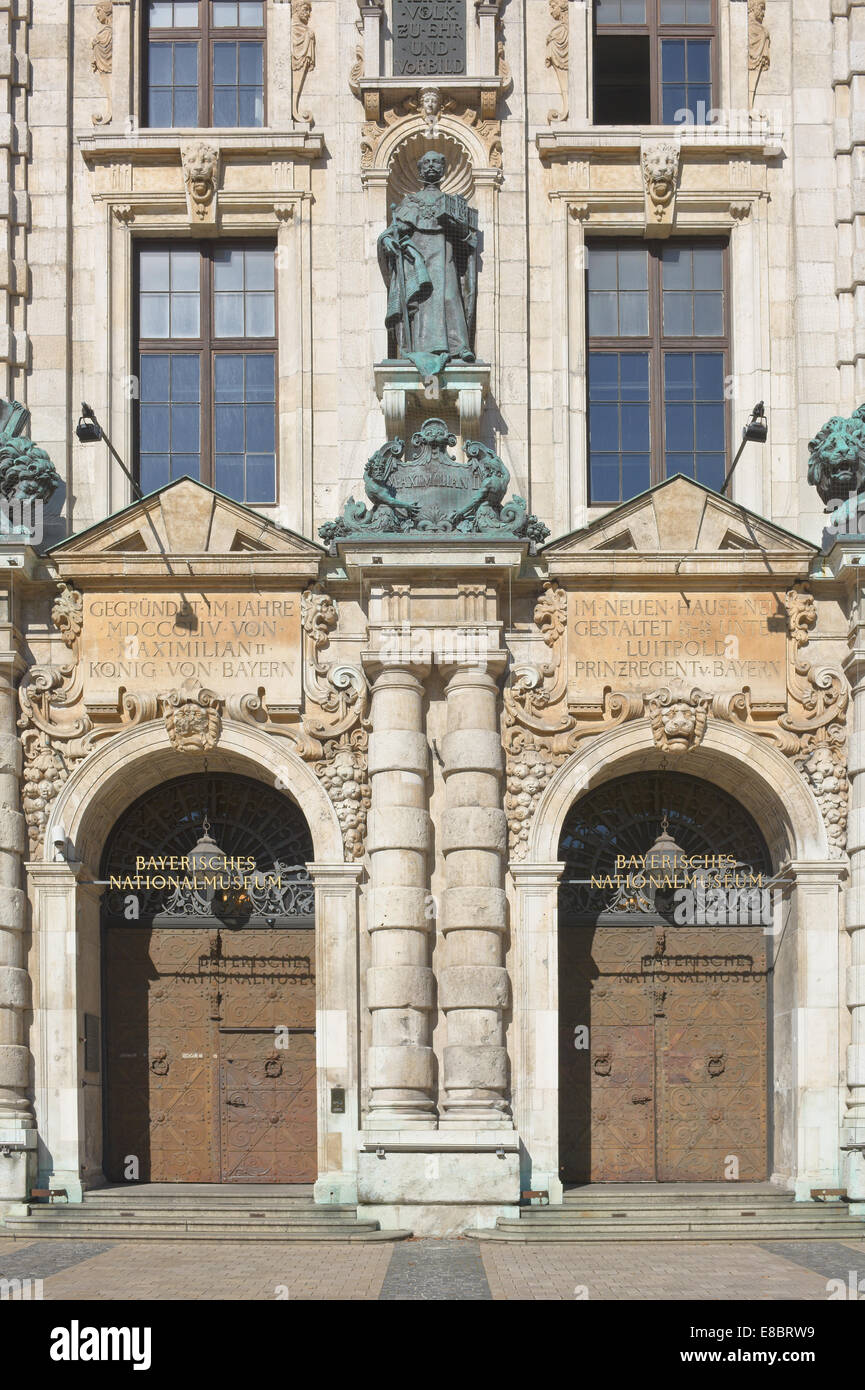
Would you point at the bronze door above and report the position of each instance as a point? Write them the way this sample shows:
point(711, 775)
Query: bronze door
point(672, 1085)
point(211, 1054)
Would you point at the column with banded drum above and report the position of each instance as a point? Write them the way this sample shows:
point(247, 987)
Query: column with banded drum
point(17, 1130)
point(400, 980)
point(474, 982)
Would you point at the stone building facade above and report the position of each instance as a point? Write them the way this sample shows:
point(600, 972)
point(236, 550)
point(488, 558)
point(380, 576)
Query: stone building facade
point(461, 731)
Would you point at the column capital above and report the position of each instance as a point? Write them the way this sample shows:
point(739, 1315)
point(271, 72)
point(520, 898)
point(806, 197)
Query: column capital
point(393, 674)
point(485, 670)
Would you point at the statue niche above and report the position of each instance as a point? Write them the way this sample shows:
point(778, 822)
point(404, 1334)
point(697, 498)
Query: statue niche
point(428, 257)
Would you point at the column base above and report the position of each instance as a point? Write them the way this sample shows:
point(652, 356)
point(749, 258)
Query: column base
point(17, 1160)
point(393, 1178)
point(475, 1117)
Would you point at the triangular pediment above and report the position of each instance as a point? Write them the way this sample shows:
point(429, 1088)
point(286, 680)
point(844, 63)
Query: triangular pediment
point(681, 517)
point(189, 522)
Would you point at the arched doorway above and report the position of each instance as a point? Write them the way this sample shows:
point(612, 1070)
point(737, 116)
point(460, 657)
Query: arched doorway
point(663, 997)
point(209, 986)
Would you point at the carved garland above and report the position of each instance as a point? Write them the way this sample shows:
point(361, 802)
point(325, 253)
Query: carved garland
point(542, 729)
point(57, 733)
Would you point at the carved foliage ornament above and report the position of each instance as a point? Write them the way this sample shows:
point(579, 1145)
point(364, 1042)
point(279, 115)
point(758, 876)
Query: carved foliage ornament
point(542, 730)
point(58, 733)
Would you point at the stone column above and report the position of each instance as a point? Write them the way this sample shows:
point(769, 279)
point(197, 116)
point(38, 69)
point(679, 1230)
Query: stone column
point(17, 1123)
point(853, 1132)
point(474, 981)
point(400, 979)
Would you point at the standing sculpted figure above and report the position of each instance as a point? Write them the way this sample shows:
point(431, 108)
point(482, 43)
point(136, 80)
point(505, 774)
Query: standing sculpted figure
point(759, 44)
point(428, 257)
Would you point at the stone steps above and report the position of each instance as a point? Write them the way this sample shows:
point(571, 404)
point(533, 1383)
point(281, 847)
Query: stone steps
point(657, 1215)
point(167, 1216)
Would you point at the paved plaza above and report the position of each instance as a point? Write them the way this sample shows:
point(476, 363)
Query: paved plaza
point(452, 1270)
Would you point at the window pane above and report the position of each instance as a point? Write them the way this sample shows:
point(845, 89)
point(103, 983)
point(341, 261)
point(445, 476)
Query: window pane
point(699, 60)
point(636, 474)
point(604, 429)
point(228, 269)
point(672, 11)
point(228, 475)
point(186, 14)
point(154, 318)
point(259, 268)
point(185, 106)
point(228, 377)
point(155, 472)
point(678, 315)
point(153, 269)
point(185, 64)
point(260, 378)
point(708, 315)
point(605, 484)
point(185, 270)
point(250, 106)
point(679, 422)
point(155, 428)
point(250, 64)
point(225, 64)
point(251, 14)
point(619, 425)
point(159, 14)
point(225, 106)
point(602, 268)
point(228, 421)
point(633, 268)
point(603, 318)
point(621, 11)
point(169, 418)
point(224, 14)
point(184, 316)
point(159, 65)
point(695, 427)
point(633, 315)
point(677, 267)
point(673, 60)
point(259, 316)
point(228, 315)
point(260, 478)
point(711, 470)
point(708, 267)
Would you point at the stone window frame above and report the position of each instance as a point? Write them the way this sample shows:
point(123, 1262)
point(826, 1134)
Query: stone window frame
point(204, 35)
point(656, 343)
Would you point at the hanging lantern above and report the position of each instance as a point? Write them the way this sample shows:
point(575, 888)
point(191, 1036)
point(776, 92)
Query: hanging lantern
point(207, 863)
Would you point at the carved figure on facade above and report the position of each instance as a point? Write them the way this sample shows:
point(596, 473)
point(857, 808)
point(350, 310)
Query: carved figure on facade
point(67, 613)
point(558, 43)
point(27, 474)
point(102, 45)
point(192, 718)
point(428, 258)
point(200, 175)
point(759, 45)
point(836, 469)
point(678, 720)
point(302, 56)
point(432, 493)
point(661, 161)
point(355, 72)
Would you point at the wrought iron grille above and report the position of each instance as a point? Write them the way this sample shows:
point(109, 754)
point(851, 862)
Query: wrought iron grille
point(246, 819)
point(627, 816)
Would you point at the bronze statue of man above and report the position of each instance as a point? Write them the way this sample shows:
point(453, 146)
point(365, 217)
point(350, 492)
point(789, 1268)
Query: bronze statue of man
point(428, 257)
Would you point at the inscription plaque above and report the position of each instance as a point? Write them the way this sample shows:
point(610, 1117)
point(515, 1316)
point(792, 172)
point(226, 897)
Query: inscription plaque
point(720, 642)
point(429, 38)
point(232, 643)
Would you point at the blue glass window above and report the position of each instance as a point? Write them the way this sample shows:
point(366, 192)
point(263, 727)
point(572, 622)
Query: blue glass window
point(207, 367)
point(245, 426)
point(654, 61)
point(686, 81)
point(657, 365)
point(620, 444)
point(205, 63)
point(170, 418)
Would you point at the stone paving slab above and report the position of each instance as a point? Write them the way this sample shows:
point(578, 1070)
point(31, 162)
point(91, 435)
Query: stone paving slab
point(450, 1270)
point(233, 1270)
point(432, 1270)
point(628, 1271)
